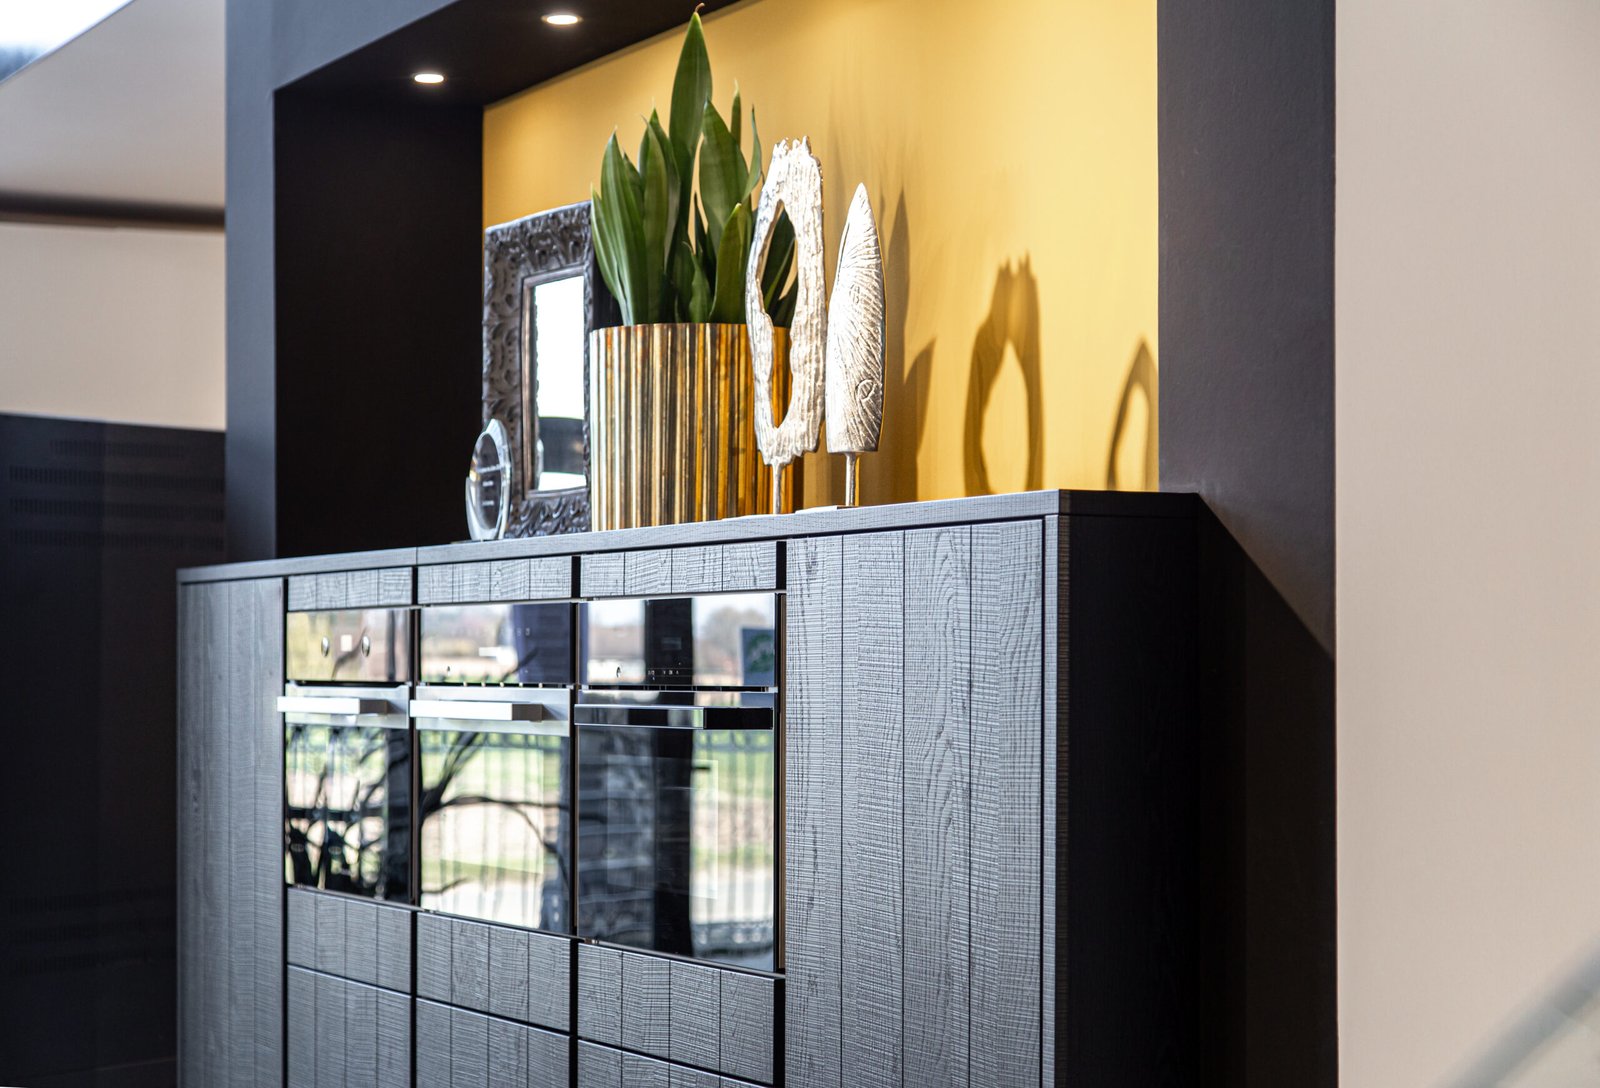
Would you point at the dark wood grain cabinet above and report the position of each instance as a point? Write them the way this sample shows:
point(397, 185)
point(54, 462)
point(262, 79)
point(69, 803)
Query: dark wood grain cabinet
point(989, 839)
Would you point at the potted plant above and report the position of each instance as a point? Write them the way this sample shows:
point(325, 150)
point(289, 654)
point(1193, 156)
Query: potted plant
point(671, 390)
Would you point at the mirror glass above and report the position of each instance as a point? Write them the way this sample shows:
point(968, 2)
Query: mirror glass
point(553, 353)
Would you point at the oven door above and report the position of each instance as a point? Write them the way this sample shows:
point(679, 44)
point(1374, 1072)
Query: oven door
point(496, 811)
point(347, 790)
point(677, 824)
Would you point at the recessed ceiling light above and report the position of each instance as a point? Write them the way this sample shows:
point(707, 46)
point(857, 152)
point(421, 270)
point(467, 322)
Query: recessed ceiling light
point(428, 77)
point(562, 18)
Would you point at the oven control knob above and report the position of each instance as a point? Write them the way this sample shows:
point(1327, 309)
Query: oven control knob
point(326, 646)
point(366, 645)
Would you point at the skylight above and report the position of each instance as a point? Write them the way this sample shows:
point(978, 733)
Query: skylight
point(31, 28)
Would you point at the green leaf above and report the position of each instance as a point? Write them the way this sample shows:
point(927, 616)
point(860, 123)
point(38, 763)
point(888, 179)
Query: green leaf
point(722, 173)
point(605, 256)
point(622, 192)
point(691, 90)
point(660, 202)
point(702, 245)
point(727, 304)
point(733, 117)
point(755, 171)
point(783, 313)
point(780, 258)
point(696, 299)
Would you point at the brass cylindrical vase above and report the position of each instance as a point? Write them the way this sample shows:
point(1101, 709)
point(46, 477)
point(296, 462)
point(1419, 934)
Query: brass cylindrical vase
point(672, 433)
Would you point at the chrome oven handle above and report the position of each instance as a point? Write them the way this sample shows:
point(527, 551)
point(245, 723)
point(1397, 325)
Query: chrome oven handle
point(633, 716)
point(340, 705)
point(478, 711)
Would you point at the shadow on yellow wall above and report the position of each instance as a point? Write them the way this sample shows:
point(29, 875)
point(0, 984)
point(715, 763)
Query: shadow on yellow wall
point(1010, 151)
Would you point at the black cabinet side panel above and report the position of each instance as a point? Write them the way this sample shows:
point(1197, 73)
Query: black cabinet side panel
point(874, 808)
point(813, 757)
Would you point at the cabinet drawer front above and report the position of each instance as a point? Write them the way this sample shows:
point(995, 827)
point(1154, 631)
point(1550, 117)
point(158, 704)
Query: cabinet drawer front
point(385, 587)
point(602, 1067)
point(543, 578)
point(346, 1033)
point(693, 1014)
point(512, 973)
point(351, 938)
point(457, 1047)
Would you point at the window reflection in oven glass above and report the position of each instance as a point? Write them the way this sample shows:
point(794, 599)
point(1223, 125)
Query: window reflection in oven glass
point(495, 824)
point(348, 818)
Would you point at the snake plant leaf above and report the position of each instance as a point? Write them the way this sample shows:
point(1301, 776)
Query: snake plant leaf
point(604, 252)
point(660, 206)
point(702, 245)
point(783, 313)
point(691, 90)
point(733, 118)
point(754, 173)
point(727, 304)
point(722, 174)
point(780, 259)
point(696, 291)
point(622, 192)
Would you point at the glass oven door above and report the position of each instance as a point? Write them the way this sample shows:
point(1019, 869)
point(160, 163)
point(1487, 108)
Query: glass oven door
point(677, 833)
point(347, 790)
point(496, 811)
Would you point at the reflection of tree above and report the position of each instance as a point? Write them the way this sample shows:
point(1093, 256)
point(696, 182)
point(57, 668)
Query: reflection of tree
point(358, 844)
point(438, 798)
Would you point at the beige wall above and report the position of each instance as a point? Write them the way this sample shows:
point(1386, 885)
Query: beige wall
point(1468, 519)
point(114, 324)
point(1010, 150)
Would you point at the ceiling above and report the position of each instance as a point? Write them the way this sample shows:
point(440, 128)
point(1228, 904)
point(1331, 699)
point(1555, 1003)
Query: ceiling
point(131, 112)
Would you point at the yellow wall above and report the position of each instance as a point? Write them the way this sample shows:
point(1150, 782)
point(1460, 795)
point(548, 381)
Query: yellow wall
point(1010, 152)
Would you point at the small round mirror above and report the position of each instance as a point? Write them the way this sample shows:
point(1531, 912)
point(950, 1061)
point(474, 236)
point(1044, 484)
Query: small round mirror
point(489, 483)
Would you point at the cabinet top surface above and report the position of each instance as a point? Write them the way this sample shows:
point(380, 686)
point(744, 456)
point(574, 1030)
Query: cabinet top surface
point(816, 522)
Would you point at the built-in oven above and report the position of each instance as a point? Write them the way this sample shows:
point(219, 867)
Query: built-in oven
point(347, 753)
point(679, 776)
point(495, 806)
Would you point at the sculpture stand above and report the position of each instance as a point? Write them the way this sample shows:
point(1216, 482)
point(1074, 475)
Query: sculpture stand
point(850, 462)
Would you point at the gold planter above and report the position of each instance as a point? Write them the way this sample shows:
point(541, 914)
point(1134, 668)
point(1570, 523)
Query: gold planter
point(672, 433)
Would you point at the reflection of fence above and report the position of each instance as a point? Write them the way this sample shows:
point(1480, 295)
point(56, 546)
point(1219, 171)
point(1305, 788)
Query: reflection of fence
point(677, 843)
point(493, 828)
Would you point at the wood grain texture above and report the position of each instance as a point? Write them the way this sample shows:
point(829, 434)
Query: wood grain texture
point(302, 1028)
point(469, 964)
point(1007, 803)
point(191, 695)
point(601, 575)
point(600, 994)
point(679, 1077)
point(812, 778)
point(1055, 647)
point(240, 885)
point(433, 1045)
point(508, 973)
point(433, 956)
point(361, 1037)
point(696, 570)
point(360, 941)
point(394, 948)
point(302, 593)
point(647, 1004)
point(748, 1027)
point(210, 839)
point(695, 1035)
point(750, 566)
point(549, 981)
point(260, 608)
point(302, 931)
point(378, 588)
point(394, 1040)
point(938, 791)
point(530, 579)
point(330, 934)
point(469, 1049)
point(331, 1048)
point(333, 589)
point(549, 1059)
point(598, 1066)
point(642, 1072)
point(647, 573)
point(873, 853)
point(508, 1054)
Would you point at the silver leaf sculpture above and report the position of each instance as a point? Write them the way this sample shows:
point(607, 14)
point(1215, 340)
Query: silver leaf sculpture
point(856, 336)
point(793, 184)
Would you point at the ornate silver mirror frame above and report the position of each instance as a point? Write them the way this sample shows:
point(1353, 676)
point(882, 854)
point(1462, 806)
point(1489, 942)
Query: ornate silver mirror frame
point(518, 257)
